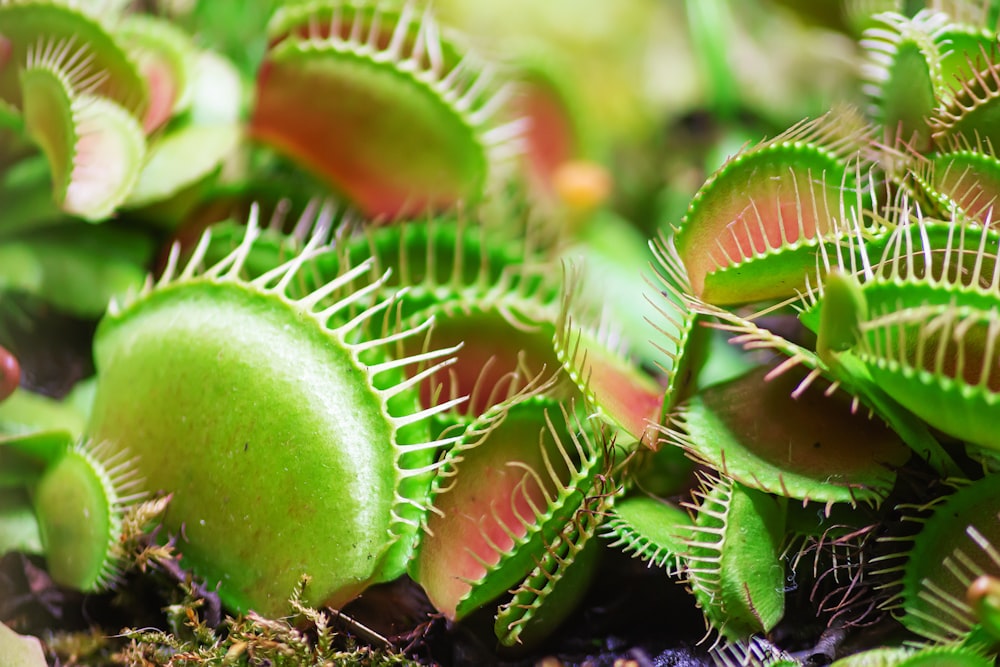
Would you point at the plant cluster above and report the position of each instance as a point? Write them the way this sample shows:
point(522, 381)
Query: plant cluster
point(459, 374)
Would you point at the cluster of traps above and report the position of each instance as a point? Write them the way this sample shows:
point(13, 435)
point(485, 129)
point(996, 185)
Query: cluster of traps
point(428, 380)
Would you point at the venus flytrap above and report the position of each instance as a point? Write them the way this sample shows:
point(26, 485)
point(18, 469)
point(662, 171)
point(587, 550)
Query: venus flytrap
point(99, 60)
point(164, 57)
point(412, 398)
point(96, 91)
point(80, 501)
point(360, 416)
point(397, 61)
point(77, 131)
point(559, 581)
point(960, 178)
point(942, 577)
point(529, 478)
point(903, 320)
point(80, 97)
point(496, 296)
point(849, 225)
point(903, 72)
point(67, 501)
point(594, 357)
point(204, 97)
point(793, 189)
point(650, 529)
point(731, 558)
point(821, 451)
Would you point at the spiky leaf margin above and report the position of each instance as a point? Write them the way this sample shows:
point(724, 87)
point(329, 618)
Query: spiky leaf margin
point(751, 231)
point(932, 571)
point(97, 61)
point(732, 559)
point(652, 530)
point(550, 592)
point(903, 73)
point(514, 536)
point(815, 453)
point(80, 501)
point(95, 148)
point(592, 354)
point(407, 452)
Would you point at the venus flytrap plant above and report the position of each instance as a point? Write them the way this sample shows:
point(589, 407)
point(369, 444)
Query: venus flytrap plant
point(793, 188)
point(846, 220)
point(417, 390)
point(650, 529)
point(903, 72)
point(361, 413)
point(960, 178)
point(516, 479)
point(948, 600)
point(74, 510)
point(100, 60)
point(204, 97)
point(752, 653)
point(494, 295)
point(80, 96)
point(382, 59)
point(560, 579)
point(80, 501)
point(81, 131)
point(820, 452)
point(164, 56)
point(594, 358)
point(731, 558)
point(95, 89)
point(927, 267)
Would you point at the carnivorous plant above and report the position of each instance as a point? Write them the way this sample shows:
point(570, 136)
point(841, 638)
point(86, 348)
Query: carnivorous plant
point(364, 309)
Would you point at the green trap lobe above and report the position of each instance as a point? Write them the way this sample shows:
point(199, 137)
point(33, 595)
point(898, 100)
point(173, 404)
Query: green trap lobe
point(76, 522)
point(275, 392)
point(941, 362)
point(955, 546)
point(48, 111)
point(164, 55)
point(819, 450)
point(733, 562)
point(974, 112)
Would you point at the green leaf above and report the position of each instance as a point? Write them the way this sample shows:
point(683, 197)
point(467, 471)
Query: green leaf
point(95, 148)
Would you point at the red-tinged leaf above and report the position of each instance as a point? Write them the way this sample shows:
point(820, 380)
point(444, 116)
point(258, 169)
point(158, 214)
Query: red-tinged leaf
point(68, 34)
point(94, 146)
point(380, 105)
point(164, 55)
point(750, 232)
